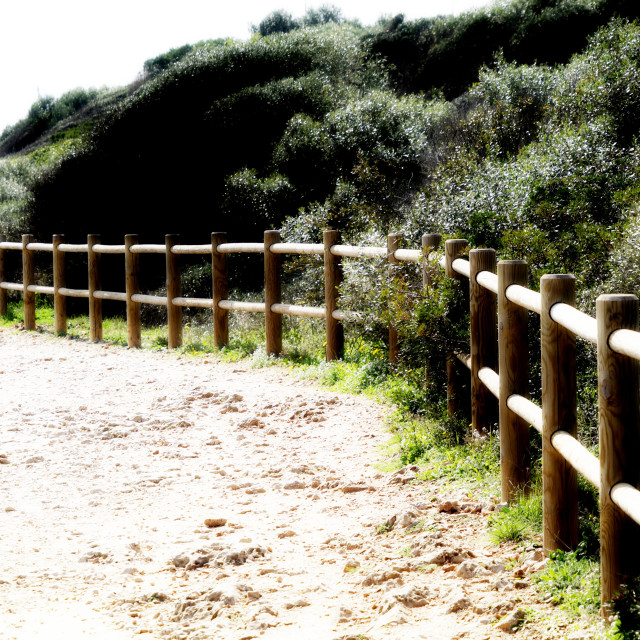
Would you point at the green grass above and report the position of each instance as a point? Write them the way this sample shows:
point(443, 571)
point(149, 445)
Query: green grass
point(520, 521)
point(572, 582)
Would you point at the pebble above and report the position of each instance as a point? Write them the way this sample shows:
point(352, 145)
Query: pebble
point(294, 484)
point(409, 596)
point(351, 565)
point(215, 522)
point(457, 601)
point(511, 622)
point(471, 569)
point(180, 561)
point(300, 602)
point(404, 475)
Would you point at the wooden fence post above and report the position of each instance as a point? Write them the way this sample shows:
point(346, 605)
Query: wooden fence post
point(134, 329)
point(453, 249)
point(393, 243)
point(174, 290)
point(484, 339)
point(59, 281)
point(332, 279)
point(272, 294)
point(3, 292)
point(558, 356)
point(220, 290)
point(619, 444)
point(513, 350)
point(95, 284)
point(28, 276)
point(430, 242)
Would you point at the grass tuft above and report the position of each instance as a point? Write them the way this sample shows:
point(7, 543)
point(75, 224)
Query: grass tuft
point(519, 521)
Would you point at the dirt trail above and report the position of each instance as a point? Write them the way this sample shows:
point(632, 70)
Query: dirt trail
point(178, 498)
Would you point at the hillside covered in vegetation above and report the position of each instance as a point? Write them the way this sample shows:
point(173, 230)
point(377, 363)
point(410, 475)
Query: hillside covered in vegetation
point(490, 126)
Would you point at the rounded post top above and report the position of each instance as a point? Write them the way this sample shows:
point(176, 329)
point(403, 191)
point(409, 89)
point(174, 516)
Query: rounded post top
point(479, 251)
point(512, 262)
point(557, 276)
point(617, 297)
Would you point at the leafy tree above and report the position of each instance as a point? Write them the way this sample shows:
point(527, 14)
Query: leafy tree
point(326, 14)
point(154, 66)
point(277, 22)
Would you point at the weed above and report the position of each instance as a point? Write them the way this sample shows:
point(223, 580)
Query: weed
point(383, 528)
point(519, 521)
point(572, 582)
point(626, 608)
point(418, 525)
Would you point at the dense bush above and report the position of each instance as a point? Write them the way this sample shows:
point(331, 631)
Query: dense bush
point(43, 114)
point(446, 53)
point(303, 130)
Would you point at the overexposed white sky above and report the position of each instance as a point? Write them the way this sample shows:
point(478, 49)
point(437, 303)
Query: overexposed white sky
point(48, 47)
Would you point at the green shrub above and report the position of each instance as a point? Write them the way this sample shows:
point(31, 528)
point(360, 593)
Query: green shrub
point(571, 581)
point(520, 520)
point(277, 22)
point(626, 609)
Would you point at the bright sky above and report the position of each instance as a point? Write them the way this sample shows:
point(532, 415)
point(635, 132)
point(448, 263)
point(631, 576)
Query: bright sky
point(48, 47)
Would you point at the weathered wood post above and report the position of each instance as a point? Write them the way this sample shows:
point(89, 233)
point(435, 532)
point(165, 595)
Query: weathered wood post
point(619, 423)
point(272, 294)
point(332, 280)
point(134, 328)
point(3, 292)
point(220, 290)
point(558, 356)
point(28, 277)
point(484, 339)
point(59, 281)
point(95, 284)
point(393, 243)
point(174, 290)
point(513, 350)
point(430, 242)
point(453, 249)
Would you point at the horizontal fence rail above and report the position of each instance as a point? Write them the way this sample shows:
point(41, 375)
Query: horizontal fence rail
point(499, 304)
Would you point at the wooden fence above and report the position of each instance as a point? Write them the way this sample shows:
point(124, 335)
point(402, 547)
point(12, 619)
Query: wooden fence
point(499, 308)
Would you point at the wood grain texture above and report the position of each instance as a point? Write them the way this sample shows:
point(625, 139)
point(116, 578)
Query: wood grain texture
point(28, 277)
point(59, 280)
point(174, 290)
point(3, 292)
point(332, 280)
point(558, 356)
point(95, 284)
point(393, 243)
point(619, 423)
point(220, 290)
point(272, 294)
point(430, 242)
point(453, 249)
point(483, 340)
point(513, 350)
point(134, 328)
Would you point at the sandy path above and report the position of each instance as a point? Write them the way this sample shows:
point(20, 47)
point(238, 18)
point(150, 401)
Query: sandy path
point(115, 458)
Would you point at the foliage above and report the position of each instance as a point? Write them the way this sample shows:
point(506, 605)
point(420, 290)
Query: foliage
point(277, 22)
point(283, 22)
point(626, 609)
point(445, 53)
point(518, 521)
point(44, 114)
point(161, 63)
point(572, 581)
